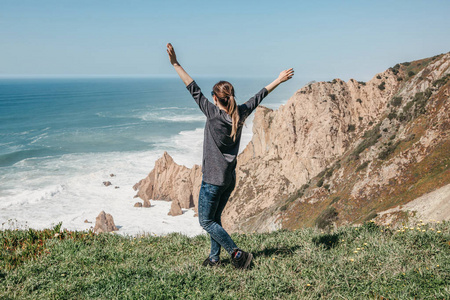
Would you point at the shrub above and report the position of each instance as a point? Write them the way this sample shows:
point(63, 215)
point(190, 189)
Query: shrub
point(370, 138)
point(406, 63)
point(399, 79)
point(402, 117)
point(351, 127)
point(329, 173)
point(296, 195)
point(362, 166)
point(322, 173)
point(335, 199)
point(408, 106)
point(392, 115)
point(420, 99)
point(441, 81)
point(381, 86)
point(326, 186)
point(359, 100)
point(320, 182)
point(388, 151)
point(362, 82)
point(396, 101)
point(378, 77)
point(332, 96)
point(360, 118)
point(411, 73)
point(326, 218)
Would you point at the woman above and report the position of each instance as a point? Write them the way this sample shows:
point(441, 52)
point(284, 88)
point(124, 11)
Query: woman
point(220, 149)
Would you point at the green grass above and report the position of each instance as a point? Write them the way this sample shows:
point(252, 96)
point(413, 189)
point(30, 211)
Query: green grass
point(367, 262)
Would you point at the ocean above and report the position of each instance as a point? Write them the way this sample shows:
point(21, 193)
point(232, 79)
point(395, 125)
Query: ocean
point(61, 138)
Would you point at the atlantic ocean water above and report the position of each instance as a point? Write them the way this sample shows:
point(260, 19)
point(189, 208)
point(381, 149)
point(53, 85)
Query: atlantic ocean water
point(61, 138)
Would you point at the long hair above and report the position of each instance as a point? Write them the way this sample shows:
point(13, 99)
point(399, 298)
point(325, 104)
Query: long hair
point(224, 92)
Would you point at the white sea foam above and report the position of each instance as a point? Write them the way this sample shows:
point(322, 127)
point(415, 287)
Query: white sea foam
point(164, 116)
point(40, 192)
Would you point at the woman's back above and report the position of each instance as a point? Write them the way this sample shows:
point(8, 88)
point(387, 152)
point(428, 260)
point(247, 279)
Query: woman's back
point(220, 149)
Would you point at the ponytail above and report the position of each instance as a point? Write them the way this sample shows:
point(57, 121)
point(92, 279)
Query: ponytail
point(233, 112)
point(224, 92)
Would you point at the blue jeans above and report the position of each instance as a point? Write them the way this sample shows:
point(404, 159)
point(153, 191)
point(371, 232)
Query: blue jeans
point(211, 202)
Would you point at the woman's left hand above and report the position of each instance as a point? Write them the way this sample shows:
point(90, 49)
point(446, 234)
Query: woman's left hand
point(286, 75)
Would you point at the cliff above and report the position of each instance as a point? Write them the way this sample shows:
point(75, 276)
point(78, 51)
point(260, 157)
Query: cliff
point(350, 149)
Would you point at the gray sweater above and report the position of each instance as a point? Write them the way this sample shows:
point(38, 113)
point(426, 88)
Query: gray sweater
point(219, 149)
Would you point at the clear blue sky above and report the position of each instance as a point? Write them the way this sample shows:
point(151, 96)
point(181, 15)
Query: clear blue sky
point(320, 39)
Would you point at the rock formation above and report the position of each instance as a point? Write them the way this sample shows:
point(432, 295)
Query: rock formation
point(175, 209)
point(349, 145)
point(104, 223)
point(172, 182)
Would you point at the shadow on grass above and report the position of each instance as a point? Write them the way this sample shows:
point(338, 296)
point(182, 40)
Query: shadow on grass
point(267, 253)
point(278, 251)
point(327, 241)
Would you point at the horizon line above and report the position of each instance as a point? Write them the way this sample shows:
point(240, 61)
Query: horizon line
point(36, 76)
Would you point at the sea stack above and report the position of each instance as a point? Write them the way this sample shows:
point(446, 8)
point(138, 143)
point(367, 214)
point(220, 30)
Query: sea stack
point(104, 223)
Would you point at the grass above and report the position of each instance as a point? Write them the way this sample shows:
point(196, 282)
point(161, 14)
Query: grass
point(367, 262)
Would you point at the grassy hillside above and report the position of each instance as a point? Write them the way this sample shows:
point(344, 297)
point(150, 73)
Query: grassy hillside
point(367, 262)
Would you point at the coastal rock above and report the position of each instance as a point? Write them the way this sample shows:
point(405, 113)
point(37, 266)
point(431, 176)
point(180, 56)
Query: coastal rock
point(170, 181)
point(104, 223)
point(175, 209)
point(332, 144)
point(112, 175)
point(86, 221)
point(147, 203)
point(138, 204)
point(107, 183)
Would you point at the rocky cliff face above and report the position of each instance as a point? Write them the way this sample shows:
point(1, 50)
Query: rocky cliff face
point(305, 155)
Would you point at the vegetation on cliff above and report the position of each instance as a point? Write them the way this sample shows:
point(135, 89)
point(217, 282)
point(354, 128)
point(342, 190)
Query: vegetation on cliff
point(366, 262)
point(404, 154)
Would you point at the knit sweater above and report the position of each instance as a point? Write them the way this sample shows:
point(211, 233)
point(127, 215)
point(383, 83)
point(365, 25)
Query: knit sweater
point(219, 149)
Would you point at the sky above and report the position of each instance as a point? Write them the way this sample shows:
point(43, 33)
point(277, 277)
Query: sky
point(321, 40)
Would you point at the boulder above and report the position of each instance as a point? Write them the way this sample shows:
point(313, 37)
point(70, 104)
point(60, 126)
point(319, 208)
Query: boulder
point(104, 223)
point(107, 183)
point(147, 203)
point(175, 209)
point(138, 204)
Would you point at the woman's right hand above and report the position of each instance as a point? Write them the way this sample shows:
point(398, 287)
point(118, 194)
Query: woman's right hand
point(286, 75)
point(172, 55)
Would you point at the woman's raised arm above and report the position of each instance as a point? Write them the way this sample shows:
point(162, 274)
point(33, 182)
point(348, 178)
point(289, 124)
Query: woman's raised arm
point(173, 60)
point(284, 76)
